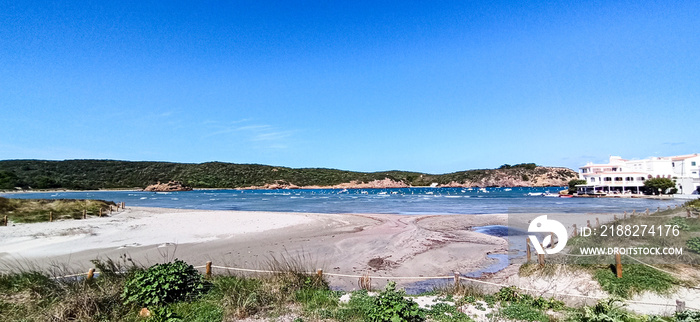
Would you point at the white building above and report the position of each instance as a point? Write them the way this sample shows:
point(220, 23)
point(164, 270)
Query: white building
point(628, 176)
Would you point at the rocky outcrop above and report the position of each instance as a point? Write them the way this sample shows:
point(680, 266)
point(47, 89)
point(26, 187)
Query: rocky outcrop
point(510, 177)
point(375, 184)
point(538, 177)
point(170, 186)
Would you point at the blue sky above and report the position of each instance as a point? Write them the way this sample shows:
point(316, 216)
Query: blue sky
point(434, 86)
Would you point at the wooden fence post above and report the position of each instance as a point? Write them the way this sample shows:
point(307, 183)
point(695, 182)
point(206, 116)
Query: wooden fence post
point(100, 213)
point(597, 222)
point(614, 217)
point(647, 211)
point(85, 214)
point(91, 272)
point(588, 223)
point(540, 259)
point(680, 306)
point(528, 251)
point(618, 265)
point(207, 273)
point(319, 273)
point(575, 232)
point(658, 209)
point(4, 222)
point(123, 205)
point(50, 216)
point(551, 240)
point(457, 279)
point(669, 208)
point(688, 211)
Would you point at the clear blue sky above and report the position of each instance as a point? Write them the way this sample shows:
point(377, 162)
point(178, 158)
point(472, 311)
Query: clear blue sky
point(433, 86)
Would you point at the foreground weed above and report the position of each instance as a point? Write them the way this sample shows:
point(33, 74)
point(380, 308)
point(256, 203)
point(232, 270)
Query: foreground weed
point(391, 305)
point(635, 280)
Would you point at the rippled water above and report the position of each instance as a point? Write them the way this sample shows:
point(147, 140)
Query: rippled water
point(389, 201)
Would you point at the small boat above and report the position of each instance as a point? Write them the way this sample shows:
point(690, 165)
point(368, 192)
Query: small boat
point(549, 194)
point(507, 189)
point(566, 196)
point(535, 194)
point(483, 190)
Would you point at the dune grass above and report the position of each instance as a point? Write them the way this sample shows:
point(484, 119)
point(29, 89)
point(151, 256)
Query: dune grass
point(37, 210)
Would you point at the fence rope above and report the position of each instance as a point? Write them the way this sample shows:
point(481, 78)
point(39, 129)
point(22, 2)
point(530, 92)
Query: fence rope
point(443, 277)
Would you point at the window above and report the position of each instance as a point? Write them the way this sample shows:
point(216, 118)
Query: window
point(607, 179)
point(614, 169)
point(618, 178)
point(629, 179)
point(692, 164)
point(592, 179)
point(640, 178)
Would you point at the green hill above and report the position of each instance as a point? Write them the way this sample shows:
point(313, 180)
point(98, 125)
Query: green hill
point(112, 174)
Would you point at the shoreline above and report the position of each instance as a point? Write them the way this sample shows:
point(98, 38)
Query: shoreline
point(390, 245)
point(380, 245)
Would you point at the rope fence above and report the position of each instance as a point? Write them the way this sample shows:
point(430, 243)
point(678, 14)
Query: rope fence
point(458, 278)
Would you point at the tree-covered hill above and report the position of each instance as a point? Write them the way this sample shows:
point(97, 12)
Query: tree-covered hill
point(111, 174)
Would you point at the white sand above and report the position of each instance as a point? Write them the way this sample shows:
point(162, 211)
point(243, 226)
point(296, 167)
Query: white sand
point(137, 227)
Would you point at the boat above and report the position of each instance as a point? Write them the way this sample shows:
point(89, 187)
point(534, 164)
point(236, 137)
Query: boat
point(549, 194)
point(535, 194)
point(507, 189)
point(566, 196)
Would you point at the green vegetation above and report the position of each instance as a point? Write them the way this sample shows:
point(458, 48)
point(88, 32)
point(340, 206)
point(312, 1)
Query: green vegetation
point(659, 185)
point(163, 284)
point(391, 305)
point(636, 279)
point(694, 244)
point(573, 183)
point(111, 174)
point(36, 210)
point(32, 296)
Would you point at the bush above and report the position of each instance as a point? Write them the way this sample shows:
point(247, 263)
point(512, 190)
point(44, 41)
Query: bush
point(605, 311)
point(390, 305)
point(162, 284)
point(687, 316)
point(635, 280)
point(694, 244)
point(680, 222)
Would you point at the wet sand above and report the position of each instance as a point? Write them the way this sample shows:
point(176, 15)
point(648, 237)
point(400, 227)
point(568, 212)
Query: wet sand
point(380, 244)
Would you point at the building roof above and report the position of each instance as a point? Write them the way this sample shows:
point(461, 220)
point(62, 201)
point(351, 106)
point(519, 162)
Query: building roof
point(612, 173)
point(683, 157)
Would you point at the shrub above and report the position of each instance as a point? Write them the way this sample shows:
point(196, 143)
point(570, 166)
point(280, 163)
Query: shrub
point(636, 279)
point(391, 305)
point(605, 311)
point(162, 284)
point(687, 316)
point(680, 222)
point(694, 244)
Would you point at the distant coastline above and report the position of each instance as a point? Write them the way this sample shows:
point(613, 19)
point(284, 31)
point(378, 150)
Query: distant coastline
point(86, 175)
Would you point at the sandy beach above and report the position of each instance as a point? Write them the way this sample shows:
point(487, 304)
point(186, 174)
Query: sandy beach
point(355, 244)
point(388, 245)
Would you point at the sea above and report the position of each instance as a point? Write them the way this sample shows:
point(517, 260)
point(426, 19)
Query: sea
point(402, 201)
